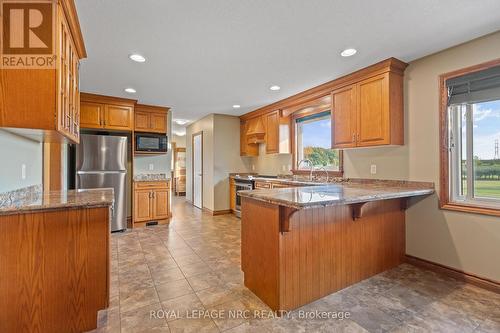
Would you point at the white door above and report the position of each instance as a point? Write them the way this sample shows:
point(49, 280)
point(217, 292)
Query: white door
point(197, 169)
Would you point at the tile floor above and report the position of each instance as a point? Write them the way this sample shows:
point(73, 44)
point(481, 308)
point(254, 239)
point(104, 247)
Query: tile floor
point(189, 269)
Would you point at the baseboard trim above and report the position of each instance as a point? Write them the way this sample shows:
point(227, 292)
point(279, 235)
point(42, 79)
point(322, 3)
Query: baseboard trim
point(457, 274)
point(217, 212)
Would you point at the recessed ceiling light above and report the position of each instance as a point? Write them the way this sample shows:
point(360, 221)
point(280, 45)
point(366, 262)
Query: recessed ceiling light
point(137, 57)
point(181, 121)
point(180, 133)
point(236, 106)
point(275, 88)
point(130, 90)
point(348, 52)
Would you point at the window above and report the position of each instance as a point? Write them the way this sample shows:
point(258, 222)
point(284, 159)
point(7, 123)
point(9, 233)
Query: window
point(313, 139)
point(472, 133)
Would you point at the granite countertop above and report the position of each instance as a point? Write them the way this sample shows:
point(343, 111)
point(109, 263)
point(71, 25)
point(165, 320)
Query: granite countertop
point(38, 200)
point(151, 177)
point(348, 192)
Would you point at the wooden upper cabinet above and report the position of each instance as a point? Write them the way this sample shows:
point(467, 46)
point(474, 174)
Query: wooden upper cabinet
point(159, 122)
point(142, 121)
point(91, 114)
point(247, 149)
point(366, 105)
point(119, 117)
point(106, 112)
point(369, 112)
point(373, 112)
point(150, 118)
point(344, 117)
point(272, 132)
point(44, 103)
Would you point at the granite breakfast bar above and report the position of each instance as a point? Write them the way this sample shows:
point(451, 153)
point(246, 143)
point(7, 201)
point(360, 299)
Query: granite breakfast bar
point(299, 244)
point(54, 259)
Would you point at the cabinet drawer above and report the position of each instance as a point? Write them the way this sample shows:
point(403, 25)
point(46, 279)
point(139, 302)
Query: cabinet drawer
point(151, 185)
point(262, 185)
point(281, 185)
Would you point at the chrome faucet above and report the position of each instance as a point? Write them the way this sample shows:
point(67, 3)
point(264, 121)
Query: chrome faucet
point(325, 170)
point(310, 164)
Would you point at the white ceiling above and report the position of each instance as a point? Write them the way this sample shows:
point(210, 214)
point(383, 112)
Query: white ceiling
point(204, 56)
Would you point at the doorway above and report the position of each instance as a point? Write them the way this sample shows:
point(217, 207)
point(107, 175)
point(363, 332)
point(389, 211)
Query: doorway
point(197, 141)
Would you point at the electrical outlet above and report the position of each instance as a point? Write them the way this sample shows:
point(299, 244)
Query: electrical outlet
point(253, 167)
point(373, 169)
point(151, 167)
point(23, 171)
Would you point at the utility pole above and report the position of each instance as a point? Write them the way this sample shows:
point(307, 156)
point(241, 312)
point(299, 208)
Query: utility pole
point(496, 150)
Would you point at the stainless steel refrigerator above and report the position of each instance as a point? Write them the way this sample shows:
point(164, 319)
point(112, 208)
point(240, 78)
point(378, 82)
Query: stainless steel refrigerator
point(101, 162)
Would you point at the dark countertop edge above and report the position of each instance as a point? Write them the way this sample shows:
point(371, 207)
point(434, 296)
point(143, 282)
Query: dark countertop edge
point(353, 181)
point(40, 201)
point(53, 207)
point(284, 203)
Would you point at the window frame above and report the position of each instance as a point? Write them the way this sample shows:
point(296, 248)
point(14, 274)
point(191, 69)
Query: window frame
point(446, 200)
point(293, 123)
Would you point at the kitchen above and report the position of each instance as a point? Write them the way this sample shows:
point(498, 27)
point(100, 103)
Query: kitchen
point(322, 181)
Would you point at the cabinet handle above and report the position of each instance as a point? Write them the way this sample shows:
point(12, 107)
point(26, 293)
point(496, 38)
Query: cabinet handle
point(153, 194)
point(150, 195)
point(353, 137)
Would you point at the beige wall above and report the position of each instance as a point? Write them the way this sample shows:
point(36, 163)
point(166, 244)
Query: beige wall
point(221, 156)
point(269, 164)
point(227, 157)
point(180, 141)
point(468, 242)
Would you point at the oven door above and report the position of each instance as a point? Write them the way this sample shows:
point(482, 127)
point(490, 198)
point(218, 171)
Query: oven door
point(241, 187)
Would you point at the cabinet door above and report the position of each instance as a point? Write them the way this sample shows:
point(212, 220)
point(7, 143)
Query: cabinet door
point(245, 148)
point(142, 205)
point(158, 122)
point(91, 114)
point(142, 121)
point(161, 204)
point(344, 117)
point(232, 194)
point(373, 111)
point(272, 132)
point(118, 117)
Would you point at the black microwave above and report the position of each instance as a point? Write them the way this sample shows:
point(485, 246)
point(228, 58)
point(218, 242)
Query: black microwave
point(151, 143)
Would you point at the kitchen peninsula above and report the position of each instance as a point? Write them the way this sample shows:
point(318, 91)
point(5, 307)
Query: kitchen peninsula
point(54, 259)
point(299, 244)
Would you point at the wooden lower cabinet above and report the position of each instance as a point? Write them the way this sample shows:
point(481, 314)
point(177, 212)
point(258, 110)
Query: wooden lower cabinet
point(232, 194)
point(161, 199)
point(293, 257)
point(151, 202)
point(54, 269)
point(142, 205)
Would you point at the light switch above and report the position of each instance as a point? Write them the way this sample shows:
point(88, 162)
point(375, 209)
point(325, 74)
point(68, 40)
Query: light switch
point(373, 169)
point(23, 171)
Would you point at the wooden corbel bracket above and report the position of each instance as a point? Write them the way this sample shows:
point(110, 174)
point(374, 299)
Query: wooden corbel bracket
point(286, 214)
point(356, 209)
